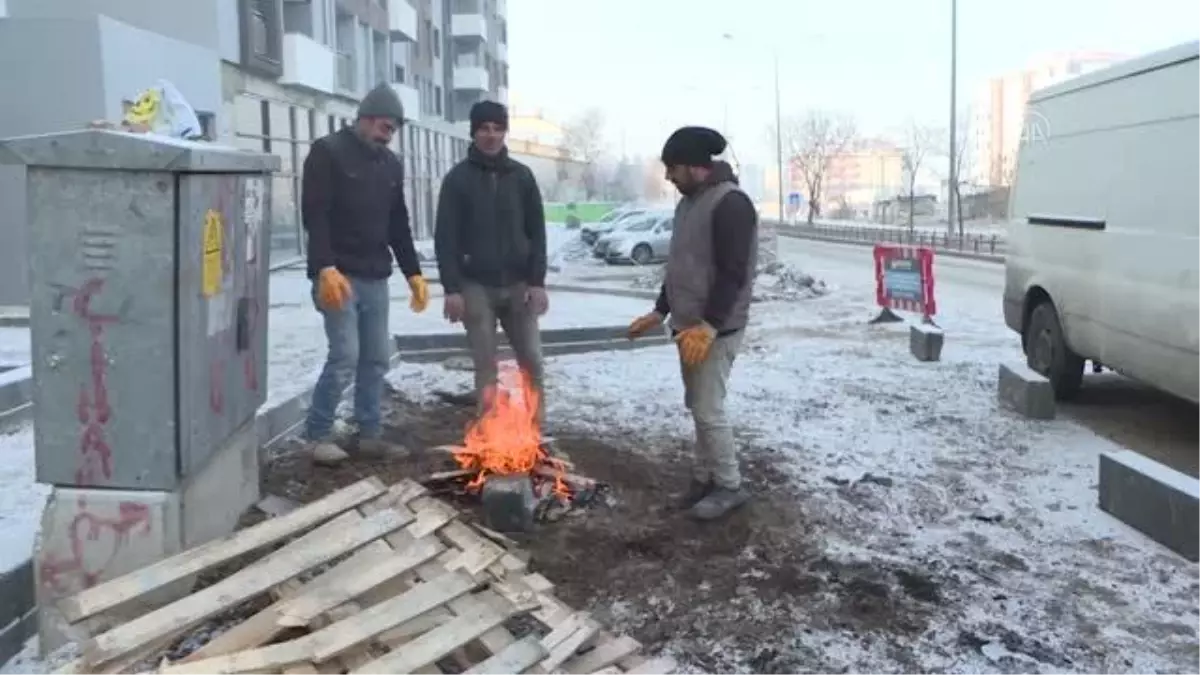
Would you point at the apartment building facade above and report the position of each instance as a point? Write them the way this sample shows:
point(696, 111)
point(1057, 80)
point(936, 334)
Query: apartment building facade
point(268, 75)
point(997, 115)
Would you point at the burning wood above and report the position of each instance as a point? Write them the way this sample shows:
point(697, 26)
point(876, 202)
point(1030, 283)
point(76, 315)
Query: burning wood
point(505, 443)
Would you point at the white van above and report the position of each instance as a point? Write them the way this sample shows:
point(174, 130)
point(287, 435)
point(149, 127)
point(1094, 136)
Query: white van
point(1105, 225)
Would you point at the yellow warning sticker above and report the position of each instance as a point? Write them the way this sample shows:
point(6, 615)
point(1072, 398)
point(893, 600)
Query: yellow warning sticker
point(214, 243)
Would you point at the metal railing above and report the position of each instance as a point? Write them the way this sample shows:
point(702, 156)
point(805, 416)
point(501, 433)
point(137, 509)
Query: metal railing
point(989, 245)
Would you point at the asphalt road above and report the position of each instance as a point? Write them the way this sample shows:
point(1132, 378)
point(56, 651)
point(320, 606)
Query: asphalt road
point(1131, 414)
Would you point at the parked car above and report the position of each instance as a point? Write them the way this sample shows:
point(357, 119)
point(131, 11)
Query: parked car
point(593, 231)
point(1101, 262)
point(641, 242)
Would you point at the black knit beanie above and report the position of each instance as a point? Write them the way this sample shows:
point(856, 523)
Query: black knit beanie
point(692, 146)
point(488, 111)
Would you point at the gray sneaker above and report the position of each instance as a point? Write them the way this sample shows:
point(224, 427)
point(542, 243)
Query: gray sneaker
point(328, 453)
point(718, 503)
point(696, 491)
point(376, 448)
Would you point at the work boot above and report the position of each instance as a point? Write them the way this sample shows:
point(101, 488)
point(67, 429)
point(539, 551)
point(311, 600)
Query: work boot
point(697, 490)
point(718, 503)
point(327, 454)
point(374, 447)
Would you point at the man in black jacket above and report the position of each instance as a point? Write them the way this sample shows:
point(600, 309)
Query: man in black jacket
point(490, 241)
point(353, 208)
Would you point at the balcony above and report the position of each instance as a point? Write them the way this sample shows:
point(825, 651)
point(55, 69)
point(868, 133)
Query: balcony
point(471, 78)
point(347, 74)
point(410, 98)
point(402, 20)
point(307, 63)
point(469, 26)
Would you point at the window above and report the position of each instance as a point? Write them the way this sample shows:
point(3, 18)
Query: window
point(332, 122)
point(398, 74)
point(437, 100)
point(264, 108)
point(208, 125)
point(312, 125)
point(261, 23)
point(427, 37)
point(437, 43)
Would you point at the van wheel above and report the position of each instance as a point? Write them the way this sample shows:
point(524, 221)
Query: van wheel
point(1046, 352)
point(642, 254)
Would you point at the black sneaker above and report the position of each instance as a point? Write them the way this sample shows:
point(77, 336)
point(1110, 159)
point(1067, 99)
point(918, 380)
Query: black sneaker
point(696, 491)
point(718, 503)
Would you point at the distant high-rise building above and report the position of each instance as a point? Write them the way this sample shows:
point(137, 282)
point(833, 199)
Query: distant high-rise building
point(997, 115)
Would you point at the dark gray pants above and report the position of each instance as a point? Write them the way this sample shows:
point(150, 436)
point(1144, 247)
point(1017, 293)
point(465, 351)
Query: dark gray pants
point(485, 306)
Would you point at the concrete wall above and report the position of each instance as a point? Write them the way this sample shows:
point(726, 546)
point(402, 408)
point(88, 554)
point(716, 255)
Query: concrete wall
point(191, 21)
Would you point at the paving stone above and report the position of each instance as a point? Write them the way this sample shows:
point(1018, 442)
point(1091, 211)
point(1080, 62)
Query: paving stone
point(1025, 391)
point(925, 342)
point(1154, 499)
point(508, 503)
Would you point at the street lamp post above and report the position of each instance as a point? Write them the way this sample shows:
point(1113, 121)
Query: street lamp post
point(952, 187)
point(778, 124)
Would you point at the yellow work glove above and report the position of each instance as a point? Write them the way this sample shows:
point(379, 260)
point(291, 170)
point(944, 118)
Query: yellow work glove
point(695, 342)
point(644, 324)
point(333, 289)
point(420, 293)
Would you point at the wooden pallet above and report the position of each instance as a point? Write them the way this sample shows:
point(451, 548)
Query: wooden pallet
point(372, 579)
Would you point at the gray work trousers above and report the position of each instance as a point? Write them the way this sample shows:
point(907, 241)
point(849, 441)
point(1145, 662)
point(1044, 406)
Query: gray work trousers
point(485, 306)
point(704, 395)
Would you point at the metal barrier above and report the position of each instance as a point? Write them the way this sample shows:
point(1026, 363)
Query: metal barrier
point(966, 243)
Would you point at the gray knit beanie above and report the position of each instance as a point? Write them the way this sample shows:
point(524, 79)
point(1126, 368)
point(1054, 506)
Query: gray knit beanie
point(382, 101)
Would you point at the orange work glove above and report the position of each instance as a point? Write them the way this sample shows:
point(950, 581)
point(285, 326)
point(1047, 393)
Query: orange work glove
point(695, 342)
point(420, 293)
point(644, 324)
point(333, 289)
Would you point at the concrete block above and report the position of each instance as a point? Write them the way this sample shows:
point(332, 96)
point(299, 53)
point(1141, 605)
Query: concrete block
point(92, 535)
point(1025, 391)
point(1154, 499)
point(214, 498)
point(925, 342)
point(508, 503)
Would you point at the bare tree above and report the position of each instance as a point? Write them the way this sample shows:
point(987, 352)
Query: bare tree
point(919, 141)
point(811, 141)
point(961, 162)
point(583, 139)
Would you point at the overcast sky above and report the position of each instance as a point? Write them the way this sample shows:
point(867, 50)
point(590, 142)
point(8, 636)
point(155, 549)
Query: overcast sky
point(652, 65)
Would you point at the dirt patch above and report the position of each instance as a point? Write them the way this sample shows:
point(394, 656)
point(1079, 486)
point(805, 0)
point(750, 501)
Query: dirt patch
point(725, 596)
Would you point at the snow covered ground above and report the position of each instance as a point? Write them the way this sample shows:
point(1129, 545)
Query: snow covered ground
point(1000, 510)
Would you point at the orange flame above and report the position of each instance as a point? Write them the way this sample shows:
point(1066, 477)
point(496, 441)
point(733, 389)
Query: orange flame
point(506, 439)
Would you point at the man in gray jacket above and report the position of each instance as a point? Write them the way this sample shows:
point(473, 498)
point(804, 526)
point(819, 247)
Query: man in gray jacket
point(706, 294)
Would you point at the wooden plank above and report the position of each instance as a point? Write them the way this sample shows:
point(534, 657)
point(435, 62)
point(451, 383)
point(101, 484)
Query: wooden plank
point(289, 562)
point(260, 628)
point(336, 638)
point(432, 515)
point(515, 658)
point(112, 593)
point(659, 666)
point(341, 636)
point(604, 655)
point(438, 642)
point(301, 669)
point(609, 670)
point(480, 553)
point(407, 490)
point(300, 611)
point(566, 647)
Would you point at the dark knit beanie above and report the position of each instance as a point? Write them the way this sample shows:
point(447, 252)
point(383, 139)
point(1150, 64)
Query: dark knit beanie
point(692, 146)
point(488, 111)
point(382, 101)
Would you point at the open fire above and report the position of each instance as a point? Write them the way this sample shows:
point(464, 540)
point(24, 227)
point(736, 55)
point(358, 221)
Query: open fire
point(504, 444)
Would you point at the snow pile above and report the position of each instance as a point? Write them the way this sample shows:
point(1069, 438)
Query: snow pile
point(773, 281)
point(571, 250)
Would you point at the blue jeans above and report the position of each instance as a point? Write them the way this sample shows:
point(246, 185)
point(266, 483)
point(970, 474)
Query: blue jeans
point(358, 347)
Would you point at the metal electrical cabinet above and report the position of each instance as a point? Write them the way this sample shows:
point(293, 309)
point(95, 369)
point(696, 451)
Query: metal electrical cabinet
point(149, 298)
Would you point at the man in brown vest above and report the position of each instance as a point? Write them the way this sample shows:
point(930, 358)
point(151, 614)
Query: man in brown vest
point(706, 294)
